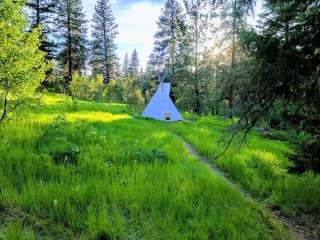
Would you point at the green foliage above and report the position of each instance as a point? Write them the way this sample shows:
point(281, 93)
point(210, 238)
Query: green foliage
point(261, 166)
point(286, 71)
point(133, 179)
point(135, 98)
point(115, 92)
point(295, 118)
point(296, 194)
point(168, 44)
point(22, 65)
point(80, 86)
point(70, 31)
point(131, 93)
point(15, 231)
point(125, 66)
point(96, 87)
point(307, 155)
point(41, 13)
point(104, 32)
point(124, 90)
point(133, 69)
point(84, 87)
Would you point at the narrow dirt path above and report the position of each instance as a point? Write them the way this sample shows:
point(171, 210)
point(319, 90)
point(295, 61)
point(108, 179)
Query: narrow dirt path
point(297, 231)
point(215, 168)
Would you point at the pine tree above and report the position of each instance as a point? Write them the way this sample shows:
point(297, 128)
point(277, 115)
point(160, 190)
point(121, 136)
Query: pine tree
point(71, 31)
point(198, 13)
point(134, 63)
point(233, 13)
point(41, 14)
point(103, 48)
point(284, 66)
point(171, 31)
point(125, 66)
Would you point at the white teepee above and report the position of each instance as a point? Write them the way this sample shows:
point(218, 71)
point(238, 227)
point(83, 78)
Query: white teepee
point(161, 106)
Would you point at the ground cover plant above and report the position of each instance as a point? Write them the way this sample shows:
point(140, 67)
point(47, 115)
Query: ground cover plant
point(261, 166)
point(107, 174)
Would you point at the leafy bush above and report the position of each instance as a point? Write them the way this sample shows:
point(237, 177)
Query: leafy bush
point(114, 92)
point(306, 156)
point(79, 86)
point(96, 88)
point(117, 91)
point(298, 194)
point(22, 65)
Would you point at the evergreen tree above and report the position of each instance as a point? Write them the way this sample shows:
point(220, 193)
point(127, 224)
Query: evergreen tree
point(198, 15)
point(134, 63)
point(41, 14)
point(233, 14)
point(284, 65)
point(125, 66)
point(71, 32)
point(104, 32)
point(171, 30)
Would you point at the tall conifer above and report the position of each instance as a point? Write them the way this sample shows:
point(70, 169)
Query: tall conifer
point(41, 13)
point(71, 33)
point(125, 66)
point(104, 32)
point(134, 63)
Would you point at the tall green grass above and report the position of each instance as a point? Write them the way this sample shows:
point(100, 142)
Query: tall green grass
point(260, 166)
point(108, 175)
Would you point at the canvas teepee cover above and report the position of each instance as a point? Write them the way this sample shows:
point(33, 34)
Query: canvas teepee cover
point(161, 106)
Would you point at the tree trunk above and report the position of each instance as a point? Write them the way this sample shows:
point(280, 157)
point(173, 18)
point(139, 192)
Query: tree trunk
point(172, 58)
point(69, 77)
point(233, 56)
point(196, 76)
point(107, 70)
point(4, 110)
point(38, 13)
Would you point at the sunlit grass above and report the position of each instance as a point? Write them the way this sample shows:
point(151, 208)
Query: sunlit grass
point(261, 166)
point(54, 99)
point(96, 116)
point(78, 170)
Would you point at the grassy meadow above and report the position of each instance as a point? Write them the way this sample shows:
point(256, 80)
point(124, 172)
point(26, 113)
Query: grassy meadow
point(260, 166)
point(85, 170)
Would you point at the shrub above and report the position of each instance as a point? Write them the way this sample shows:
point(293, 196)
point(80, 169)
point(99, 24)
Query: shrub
point(306, 156)
point(22, 65)
point(296, 194)
point(80, 86)
point(114, 92)
point(96, 88)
